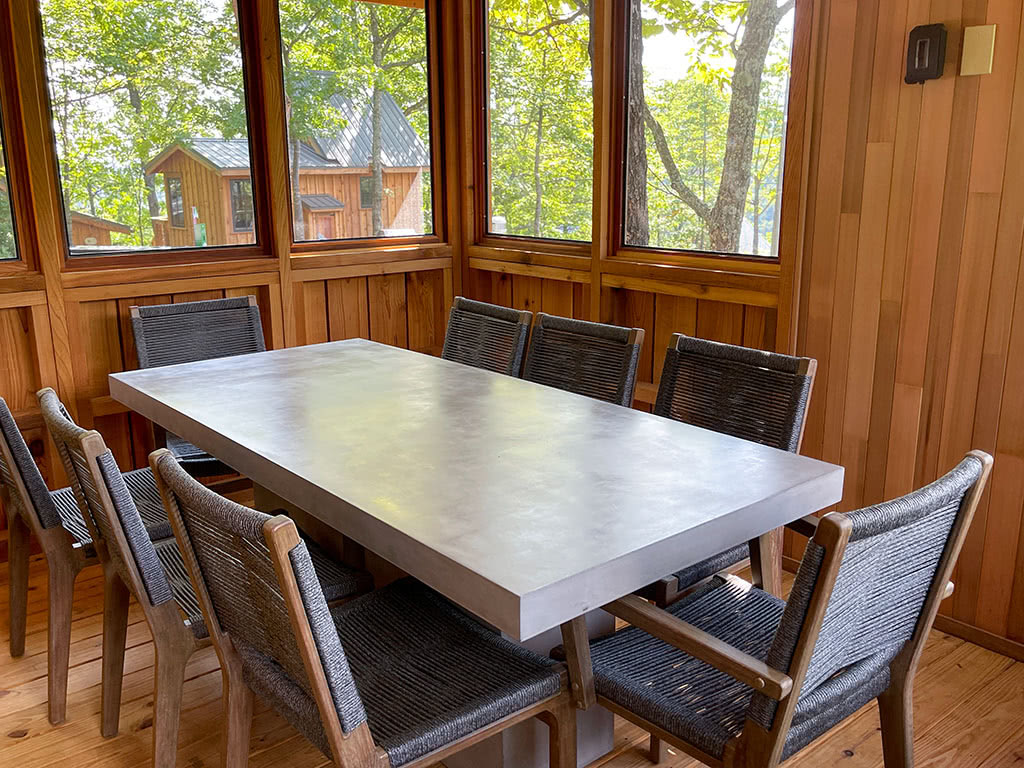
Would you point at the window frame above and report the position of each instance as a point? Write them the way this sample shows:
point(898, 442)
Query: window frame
point(168, 178)
point(439, 169)
point(797, 119)
point(249, 39)
point(362, 206)
point(14, 155)
point(234, 209)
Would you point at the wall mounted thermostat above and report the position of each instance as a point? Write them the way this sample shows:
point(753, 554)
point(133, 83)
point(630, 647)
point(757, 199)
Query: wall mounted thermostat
point(926, 53)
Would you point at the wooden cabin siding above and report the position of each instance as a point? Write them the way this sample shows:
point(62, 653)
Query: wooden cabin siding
point(206, 189)
point(403, 201)
point(82, 231)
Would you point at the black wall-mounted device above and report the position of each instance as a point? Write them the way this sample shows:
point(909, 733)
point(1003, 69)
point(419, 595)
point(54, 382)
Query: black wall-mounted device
point(926, 53)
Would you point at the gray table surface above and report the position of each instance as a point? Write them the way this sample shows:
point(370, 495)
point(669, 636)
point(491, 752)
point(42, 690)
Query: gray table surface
point(526, 505)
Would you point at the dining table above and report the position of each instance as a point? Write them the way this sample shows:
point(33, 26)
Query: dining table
point(528, 506)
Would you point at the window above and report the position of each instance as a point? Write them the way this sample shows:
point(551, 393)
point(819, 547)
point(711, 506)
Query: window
point(140, 90)
point(175, 202)
point(242, 217)
point(705, 136)
point(540, 119)
point(366, 192)
point(357, 101)
point(8, 243)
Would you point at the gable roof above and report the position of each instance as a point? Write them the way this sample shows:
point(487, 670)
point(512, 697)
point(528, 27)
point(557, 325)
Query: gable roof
point(401, 146)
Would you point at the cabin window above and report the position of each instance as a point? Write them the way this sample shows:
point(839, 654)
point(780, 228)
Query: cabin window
point(8, 241)
point(704, 140)
point(357, 97)
point(175, 202)
point(540, 127)
point(242, 218)
point(150, 88)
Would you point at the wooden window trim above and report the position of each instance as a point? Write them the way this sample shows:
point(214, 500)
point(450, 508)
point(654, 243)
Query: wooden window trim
point(15, 155)
point(439, 181)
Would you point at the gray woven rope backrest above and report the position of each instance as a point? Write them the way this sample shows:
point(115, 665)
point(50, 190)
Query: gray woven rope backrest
point(231, 550)
point(69, 437)
point(486, 336)
point(887, 570)
point(39, 500)
point(592, 359)
point(747, 393)
point(168, 334)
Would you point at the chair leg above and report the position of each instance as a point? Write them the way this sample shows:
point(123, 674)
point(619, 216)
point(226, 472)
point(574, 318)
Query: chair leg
point(169, 679)
point(238, 701)
point(896, 712)
point(561, 722)
point(18, 581)
point(58, 632)
point(115, 632)
point(658, 750)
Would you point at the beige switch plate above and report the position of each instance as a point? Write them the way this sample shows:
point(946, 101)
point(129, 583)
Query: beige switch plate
point(979, 45)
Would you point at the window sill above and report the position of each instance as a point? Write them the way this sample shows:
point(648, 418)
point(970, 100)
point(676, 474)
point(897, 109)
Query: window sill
point(126, 273)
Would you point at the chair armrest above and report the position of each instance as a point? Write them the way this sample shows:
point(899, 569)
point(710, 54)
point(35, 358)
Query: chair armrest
point(701, 645)
point(805, 526)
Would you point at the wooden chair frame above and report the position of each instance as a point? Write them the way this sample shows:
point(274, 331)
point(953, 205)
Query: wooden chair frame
point(356, 749)
point(173, 641)
point(757, 747)
point(65, 559)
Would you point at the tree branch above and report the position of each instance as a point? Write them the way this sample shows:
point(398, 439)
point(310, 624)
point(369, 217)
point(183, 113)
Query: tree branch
point(687, 195)
point(783, 9)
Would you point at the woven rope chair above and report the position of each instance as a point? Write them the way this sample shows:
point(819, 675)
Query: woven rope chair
point(150, 570)
point(396, 677)
point(170, 334)
point(592, 359)
point(486, 336)
point(53, 518)
point(734, 676)
point(747, 393)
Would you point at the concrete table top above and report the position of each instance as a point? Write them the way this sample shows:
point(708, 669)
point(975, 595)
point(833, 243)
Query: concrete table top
point(527, 505)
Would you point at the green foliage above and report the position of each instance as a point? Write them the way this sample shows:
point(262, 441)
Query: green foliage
point(8, 247)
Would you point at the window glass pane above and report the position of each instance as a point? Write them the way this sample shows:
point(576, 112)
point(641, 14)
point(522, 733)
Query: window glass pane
point(357, 102)
point(242, 217)
point(541, 118)
point(8, 245)
point(149, 116)
point(708, 88)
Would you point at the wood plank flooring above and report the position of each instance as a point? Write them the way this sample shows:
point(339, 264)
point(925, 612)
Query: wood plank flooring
point(969, 706)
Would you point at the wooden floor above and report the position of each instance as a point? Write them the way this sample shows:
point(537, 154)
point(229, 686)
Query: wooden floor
point(969, 706)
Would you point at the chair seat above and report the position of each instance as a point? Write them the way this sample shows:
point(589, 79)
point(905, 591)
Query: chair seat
point(714, 564)
point(196, 461)
point(677, 692)
point(143, 490)
point(427, 674)
point(337, 581)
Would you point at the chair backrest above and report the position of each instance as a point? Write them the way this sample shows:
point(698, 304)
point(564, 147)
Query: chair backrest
point(747, 393)
point(486, 336)
point(592, 359)
point(168, 334)
point(263, 596)
point(881, 596)
point(105, 502)
point(20, 476)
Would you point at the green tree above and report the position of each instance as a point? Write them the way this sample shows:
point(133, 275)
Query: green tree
point(8, 248)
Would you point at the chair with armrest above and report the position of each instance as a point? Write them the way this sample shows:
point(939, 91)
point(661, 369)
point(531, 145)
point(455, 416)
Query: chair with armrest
point(486, 336)
point(189, 331)
point(593, 359)
point(734, 676)
point(747, 393)
point(398, 677)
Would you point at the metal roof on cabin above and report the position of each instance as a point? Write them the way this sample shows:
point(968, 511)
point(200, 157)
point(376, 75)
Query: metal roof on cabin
point(233, 154)
point(401, 146)
point(321, 203)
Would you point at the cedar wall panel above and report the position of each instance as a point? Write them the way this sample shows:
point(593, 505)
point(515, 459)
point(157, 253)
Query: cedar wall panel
point(912, 295)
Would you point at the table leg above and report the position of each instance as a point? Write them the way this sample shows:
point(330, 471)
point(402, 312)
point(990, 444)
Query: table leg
point(526, 745)
point(766, 562)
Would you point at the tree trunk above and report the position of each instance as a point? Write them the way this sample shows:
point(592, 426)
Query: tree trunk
point(376, 171)
point(154, 205)
point(727, 215)
point(538, 186)
point(637, 218)
point(298, 222)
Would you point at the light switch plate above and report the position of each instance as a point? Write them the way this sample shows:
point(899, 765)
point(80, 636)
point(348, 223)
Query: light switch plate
point(979, 46)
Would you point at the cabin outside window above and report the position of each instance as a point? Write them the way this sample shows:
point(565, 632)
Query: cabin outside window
point(707, 94)
point(540, 119)
point(358, 104)
point(8, 239)
point(242, 216)
point(152, 90)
